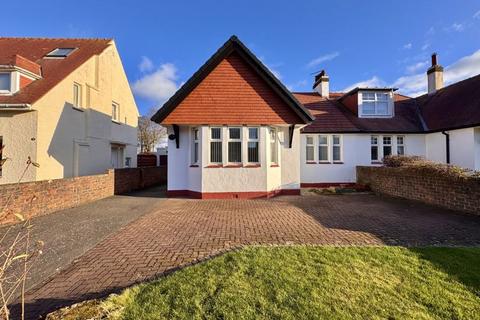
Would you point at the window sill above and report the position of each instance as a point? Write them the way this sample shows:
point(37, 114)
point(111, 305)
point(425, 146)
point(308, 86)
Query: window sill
point(116, 122)
point(376, 162)
point(311, 162)
point(78, 109)
point(194, 166)
point(214, 166)
point(324, 162)
point(253, 165)
point(275, 165)
point(233, 166)
point(338, 162)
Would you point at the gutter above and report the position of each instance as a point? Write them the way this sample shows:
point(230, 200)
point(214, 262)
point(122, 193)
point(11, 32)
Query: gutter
point(447, 146)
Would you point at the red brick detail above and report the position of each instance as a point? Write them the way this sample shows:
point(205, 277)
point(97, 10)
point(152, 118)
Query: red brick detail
point(461, 194)
point(24, 81)
point(233, 93)
point(231, 195)
point(351, 185)
point(43, 197)
point(351, 102)
point(146, 160)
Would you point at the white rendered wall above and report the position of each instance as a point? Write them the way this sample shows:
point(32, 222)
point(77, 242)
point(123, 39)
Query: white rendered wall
point(290, 166)
point(178, 160)
point(355, 149)
point(477, 148)
point(462, 147)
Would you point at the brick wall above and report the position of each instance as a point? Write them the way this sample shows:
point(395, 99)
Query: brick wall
point(461, 194)
point(130, 179)
point(42, 197)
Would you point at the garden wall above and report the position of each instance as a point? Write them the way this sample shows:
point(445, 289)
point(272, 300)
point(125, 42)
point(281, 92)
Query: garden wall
point(42, 197)
point(455, 193)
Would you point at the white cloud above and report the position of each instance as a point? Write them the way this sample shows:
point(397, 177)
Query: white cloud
point(430, 31)
point(425, 46)
point(463, 68)
point(297, 85)
point(458, 27)
point(407, 46)
point(159, 85)
point(275, 72)
point(416, 66)
point(477, 15)
point(272, 67)
point(373, 82)
point(146, 65)
point(326, 57)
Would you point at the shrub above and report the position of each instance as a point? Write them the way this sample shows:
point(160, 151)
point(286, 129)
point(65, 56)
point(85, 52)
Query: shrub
point(435, 168)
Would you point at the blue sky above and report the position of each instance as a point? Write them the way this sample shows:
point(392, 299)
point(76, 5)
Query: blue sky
point(378, 43)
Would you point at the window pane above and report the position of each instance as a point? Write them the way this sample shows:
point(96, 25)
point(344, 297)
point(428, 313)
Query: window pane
point(336, 139)
point(400, 150)
point(216, 151)
point(368, 96)
point(387, 140)
point(374, 140)
point(273, 146)
point(253, 133)
point(253, 152)
point(374, 153)
point(195, 152)
point(309, 155)
point(387, 150)
point(399, 140)
point(5, 81)
point(234, 133)
point(309, 140)
point(382, 108)
point(382, 96)
point(215, 133)
point(368, 107)
point(336, 153)
point(323, 153)
point(195, 134)
point(235, 151)
point(322, 140)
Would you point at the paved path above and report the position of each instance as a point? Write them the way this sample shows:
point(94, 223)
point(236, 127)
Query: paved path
point(69, 233)
point(181, 232)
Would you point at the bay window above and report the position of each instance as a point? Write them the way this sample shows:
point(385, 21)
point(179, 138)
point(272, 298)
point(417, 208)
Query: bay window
point(336, 148)
point(273, 146)
point(253, 145)
point(235, 145)
point(216, 145)
point(323, 148)
point(382, 146)
point(310, 155)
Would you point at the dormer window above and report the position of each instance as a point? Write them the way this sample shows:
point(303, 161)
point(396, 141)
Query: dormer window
point(60, 53)
point(375, 104)
point(5, 83)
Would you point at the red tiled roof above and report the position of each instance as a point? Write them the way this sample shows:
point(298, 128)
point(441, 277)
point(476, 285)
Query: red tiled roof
point(454, 106)
point(33, 51)
point(333, 116)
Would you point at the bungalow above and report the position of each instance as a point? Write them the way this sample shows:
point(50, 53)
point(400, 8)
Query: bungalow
point(66, 104)
point(236, 132)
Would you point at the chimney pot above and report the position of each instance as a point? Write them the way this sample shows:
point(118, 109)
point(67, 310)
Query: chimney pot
point(434, 59)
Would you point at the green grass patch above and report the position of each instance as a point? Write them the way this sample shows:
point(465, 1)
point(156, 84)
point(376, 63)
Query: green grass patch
point(303, 282)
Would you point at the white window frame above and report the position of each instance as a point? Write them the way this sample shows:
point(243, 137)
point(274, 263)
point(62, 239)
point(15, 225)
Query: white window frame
point(195, 143)
point(387, 145)
point(234, 140)
point(400, 145)
point(10, 90)
point(257, 140)
point(273, 134)
point(309, 145)
point(340, 144)
point(325, 145)
point(211, 139)
point(375, 102)
point(77, 99)
point(116, 115)
point(377, 145)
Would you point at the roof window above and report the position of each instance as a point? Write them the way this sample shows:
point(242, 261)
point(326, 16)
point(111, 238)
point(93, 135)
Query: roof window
point(60, 53)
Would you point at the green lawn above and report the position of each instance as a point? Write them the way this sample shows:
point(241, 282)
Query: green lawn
point(313, 283)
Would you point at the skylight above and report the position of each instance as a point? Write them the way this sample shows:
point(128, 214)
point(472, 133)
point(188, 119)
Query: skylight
point(60, 53)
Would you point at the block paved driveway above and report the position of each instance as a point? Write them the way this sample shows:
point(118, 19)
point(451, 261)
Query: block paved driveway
point(183, 231)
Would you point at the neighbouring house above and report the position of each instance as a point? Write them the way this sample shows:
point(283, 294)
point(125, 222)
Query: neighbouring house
point(67, 104)
point(236, 132)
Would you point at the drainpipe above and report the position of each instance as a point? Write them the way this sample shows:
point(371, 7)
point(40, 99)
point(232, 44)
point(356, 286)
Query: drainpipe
point(447, 145)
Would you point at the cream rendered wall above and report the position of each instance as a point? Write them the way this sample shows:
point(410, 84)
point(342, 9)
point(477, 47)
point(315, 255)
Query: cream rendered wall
point(355, 151)
point(19, 132)
point(63, 129)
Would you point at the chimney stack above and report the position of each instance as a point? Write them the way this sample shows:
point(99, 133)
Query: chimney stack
point(321, 84)
point(435, 76)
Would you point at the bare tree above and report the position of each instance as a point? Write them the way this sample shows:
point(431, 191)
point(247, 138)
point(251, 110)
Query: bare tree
point(149, 133)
